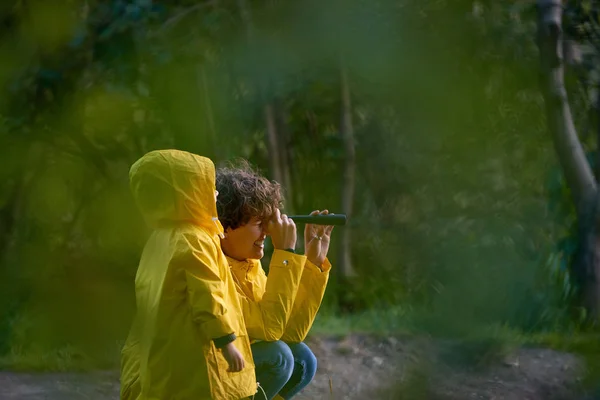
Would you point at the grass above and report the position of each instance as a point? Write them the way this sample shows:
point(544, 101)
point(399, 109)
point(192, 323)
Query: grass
point(475, 345)
point(394, 320)
point(65, 358)
point(471, 344)
point(34, 346)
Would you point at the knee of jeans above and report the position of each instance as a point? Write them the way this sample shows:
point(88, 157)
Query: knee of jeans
point(304, 355)
point(286, 358)
point(310, 363)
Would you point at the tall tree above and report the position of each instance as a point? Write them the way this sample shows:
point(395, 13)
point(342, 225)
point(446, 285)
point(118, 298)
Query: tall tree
point(347, 132)
point(274, 115)
point(578, 173)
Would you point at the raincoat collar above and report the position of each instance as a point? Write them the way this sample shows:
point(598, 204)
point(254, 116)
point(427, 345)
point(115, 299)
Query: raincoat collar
point(249, 266)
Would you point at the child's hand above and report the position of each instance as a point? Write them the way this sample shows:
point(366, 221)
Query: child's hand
point(234, 358)
point(316, 240)
point(282, 231)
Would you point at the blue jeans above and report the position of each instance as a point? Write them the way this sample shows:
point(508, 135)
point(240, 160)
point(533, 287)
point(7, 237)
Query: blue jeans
point(283, 368)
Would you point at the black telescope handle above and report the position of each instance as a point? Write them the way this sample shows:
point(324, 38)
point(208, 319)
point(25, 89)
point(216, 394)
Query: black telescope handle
point(329, 219)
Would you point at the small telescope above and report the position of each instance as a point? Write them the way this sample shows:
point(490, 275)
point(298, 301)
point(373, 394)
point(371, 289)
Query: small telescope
point(328, 219)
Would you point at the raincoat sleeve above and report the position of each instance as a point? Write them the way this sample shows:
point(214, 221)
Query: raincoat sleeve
point(206, 291)
point(307, 303)
point(267, 318)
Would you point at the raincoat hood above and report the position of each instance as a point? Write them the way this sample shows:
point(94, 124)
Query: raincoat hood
point(174, 186)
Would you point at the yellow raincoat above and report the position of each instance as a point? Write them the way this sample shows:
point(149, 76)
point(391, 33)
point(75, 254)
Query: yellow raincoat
point(284, 306)
point(185, 294)
point(308, 300)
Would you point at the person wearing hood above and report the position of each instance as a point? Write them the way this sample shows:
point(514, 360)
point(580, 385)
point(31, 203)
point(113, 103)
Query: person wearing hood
point(188, 339)
point(278, 310)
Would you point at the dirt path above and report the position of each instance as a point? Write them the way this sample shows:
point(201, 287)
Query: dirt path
point(368, 368)
point(360, 367)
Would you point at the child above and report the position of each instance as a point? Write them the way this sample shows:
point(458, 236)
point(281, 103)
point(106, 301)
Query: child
point(188, 340)
point(279, 310)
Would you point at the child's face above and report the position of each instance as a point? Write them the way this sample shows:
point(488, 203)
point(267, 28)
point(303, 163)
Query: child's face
point(246, 241)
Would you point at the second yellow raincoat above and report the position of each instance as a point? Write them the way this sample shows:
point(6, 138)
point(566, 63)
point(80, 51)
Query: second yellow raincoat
point(184, 291)
point(284, 306)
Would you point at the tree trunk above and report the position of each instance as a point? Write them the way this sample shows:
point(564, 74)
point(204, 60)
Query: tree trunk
point(347, 131)
point(285, 155)
point(275, 121)
point(596, 119)
point(272, 143)
point(585, 265)
point(578, 173)
point(203, 87)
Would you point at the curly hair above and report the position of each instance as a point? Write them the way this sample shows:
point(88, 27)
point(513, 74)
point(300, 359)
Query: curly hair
point(244, 193)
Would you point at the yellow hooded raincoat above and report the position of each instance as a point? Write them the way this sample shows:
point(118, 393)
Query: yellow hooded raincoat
point(284, 306)
point(185, 294)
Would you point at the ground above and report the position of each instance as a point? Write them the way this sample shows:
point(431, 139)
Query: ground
point(366, 367)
